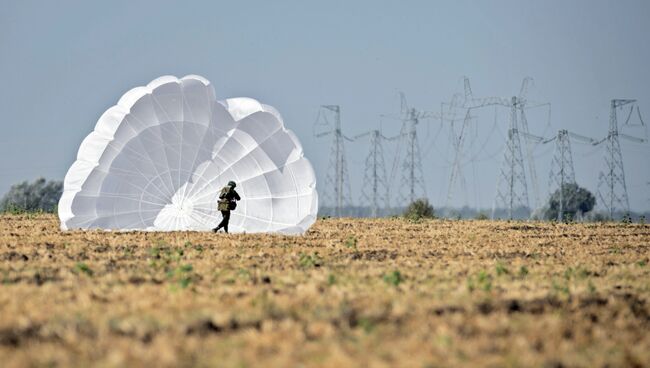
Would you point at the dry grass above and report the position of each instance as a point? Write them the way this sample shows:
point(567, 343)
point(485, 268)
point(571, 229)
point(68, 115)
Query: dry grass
point(349, 293)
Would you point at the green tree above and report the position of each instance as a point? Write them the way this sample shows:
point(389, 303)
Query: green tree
point(40, 195)
point(419, 209)
point(572, 200)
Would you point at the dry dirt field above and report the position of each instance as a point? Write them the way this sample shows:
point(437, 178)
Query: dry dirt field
point(351, 292)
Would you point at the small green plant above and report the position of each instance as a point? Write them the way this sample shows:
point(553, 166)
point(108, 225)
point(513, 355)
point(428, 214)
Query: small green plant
point(615, 250)
point(484, 281)
point(523, 271)
point(627, 219)
point(501, 269)
point(641, 263)
point(310, 260)
point(471, 286)
point(181, 275)
point(243, 273)
point(331, 279)
point(591, 287)
point(154, 252)
point(444, 340)
point(81, 267)
point(393, 278)
point(582, 273)
point(561, 288)
point(568, 273)
point(366, 324)
point(351, 243)
point(168, 259)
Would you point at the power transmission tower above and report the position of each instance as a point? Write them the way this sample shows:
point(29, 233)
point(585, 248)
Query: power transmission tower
point(517, 106)
point(561, 169)
point(612, 190)
point(375, 188)
point(532, 171)
point(337, 182)
point(562, 172)
point(458, 142)
point(412, 176)
point(512, 190)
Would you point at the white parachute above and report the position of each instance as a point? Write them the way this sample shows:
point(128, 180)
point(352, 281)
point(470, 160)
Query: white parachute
point(157, 160)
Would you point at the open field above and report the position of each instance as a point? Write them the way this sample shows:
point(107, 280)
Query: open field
point(351, 292)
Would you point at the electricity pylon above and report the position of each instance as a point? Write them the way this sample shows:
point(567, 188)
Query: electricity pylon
point(469, 103)
point(412, 176)
point(512, 190)
point(520, 104)
point(562, 171)
point(375, 190)
point(458, 142)
point(518, 124)
point(337, 182)
point(612, 190)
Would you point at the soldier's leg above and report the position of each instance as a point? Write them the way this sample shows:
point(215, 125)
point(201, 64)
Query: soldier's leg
point(226, 219)
point(224, 222)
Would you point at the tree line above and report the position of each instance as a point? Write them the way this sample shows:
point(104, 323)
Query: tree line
point(571, 203)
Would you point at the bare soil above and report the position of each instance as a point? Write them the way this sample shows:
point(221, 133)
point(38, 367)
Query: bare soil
point(351, 292)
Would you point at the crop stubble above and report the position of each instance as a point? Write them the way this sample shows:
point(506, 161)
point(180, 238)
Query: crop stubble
point(351, 292)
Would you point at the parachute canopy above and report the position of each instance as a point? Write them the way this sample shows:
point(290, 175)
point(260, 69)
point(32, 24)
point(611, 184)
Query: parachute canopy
point(157, 160)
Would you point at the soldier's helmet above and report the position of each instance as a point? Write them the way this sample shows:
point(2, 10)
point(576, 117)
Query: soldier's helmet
point(232, 184)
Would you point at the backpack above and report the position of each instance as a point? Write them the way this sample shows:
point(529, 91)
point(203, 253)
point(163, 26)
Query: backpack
point(223, 204)
point(224, 192)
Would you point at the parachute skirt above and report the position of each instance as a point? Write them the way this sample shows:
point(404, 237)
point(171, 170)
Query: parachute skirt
point(157, 160)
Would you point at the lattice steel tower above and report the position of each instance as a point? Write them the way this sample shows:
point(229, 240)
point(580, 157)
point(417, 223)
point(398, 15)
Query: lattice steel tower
point(412, 175)
point(458, 142)
point(561, 169)
point(512, 191)
point(375, 184)
point(518, 129)
point(337, 182)
point(612, 191)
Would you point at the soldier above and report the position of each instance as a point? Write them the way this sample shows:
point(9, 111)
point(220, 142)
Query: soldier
point(226, 203)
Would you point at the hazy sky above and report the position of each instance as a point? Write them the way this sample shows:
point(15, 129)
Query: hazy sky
point(65, 62)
